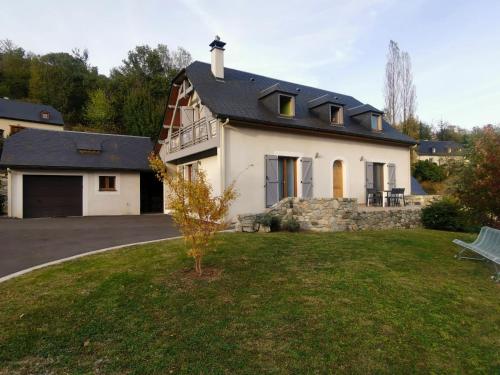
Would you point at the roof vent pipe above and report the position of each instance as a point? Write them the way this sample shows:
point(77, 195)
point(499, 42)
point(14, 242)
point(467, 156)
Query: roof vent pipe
point(217, 59)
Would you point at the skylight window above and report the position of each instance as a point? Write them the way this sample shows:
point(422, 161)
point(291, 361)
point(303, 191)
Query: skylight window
point(376, 123)
point(286, 105)
point(336, 115)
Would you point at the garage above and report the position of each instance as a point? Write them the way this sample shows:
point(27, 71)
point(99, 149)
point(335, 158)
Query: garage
point(52, 196)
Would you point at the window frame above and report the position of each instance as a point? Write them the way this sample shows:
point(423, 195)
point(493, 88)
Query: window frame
point(379, 122)
point(107, 185)
point(292, 105)
point(340, 114)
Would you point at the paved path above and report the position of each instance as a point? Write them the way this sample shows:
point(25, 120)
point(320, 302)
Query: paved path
point(30, 242)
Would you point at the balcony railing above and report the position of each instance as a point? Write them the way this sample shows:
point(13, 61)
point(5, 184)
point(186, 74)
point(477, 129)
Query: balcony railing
point(187, 136)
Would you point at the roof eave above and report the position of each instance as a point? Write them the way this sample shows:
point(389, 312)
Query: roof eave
point(317, 130)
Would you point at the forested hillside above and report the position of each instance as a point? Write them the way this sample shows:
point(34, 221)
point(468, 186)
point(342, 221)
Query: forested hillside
point(131, 100)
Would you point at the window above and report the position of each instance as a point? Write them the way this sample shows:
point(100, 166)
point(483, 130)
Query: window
point(449, 150)
point(1, 133)
point(336, 115)
point(433, 149)
point(45, 115)
point(107, 183)
point(286, 104)
point(15, 129)
point(287, 177)
point(376, 122)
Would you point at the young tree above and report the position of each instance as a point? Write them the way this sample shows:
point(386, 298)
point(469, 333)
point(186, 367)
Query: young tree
point(197, 213)
point(98, 111)
point(392, 83)
point(477, 186)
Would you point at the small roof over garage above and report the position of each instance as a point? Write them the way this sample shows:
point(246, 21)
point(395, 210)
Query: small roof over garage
point(45, 149)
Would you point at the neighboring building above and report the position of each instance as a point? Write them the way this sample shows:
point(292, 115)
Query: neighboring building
point(440, 152)
point(277, 139)
point(16, 115)
point(79, 174)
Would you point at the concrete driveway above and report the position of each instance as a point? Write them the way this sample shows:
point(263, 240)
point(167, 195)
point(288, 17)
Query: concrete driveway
point(31, 242)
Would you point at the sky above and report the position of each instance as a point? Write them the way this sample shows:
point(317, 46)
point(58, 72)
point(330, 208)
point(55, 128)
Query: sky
point(334, 45)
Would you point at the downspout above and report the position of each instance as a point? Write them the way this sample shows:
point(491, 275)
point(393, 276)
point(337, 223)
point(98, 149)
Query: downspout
point(223, 155)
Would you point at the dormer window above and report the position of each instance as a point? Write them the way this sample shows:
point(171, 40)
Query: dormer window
point(376, 122)
point(45, 115)
point(336, 115)
point(286, 105)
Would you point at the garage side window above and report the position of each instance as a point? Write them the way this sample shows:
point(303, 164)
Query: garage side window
point(107, 183)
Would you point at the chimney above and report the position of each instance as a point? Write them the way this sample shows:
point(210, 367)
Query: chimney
point(217, 57)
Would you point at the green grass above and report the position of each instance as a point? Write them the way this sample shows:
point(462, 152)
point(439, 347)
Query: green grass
point(368, 302)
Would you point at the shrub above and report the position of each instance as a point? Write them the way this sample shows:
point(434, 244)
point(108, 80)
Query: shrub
point(477, 186)
point(271, 221)
point(445, 214)
point(291, 225)
point(426, 170)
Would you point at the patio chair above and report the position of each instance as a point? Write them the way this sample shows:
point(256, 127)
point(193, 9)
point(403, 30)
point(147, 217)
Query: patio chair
point(373, 197)
point(396, 196)
point(486, 245)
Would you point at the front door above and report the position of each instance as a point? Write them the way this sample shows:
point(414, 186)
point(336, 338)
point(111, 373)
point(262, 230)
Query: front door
point(338, 180)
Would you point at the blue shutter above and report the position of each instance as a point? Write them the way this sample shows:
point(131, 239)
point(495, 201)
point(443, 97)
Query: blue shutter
point(272, 185)
point(369, 174)
point(391, 169)
point(307, 186)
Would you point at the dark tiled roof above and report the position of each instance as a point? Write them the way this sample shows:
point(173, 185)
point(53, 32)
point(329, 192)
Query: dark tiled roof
point(425, 148)
point(237, 97)
point(416, 188)
point(33, 148)
point(24, 111)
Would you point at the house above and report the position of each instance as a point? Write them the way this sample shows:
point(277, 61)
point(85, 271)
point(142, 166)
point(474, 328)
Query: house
point(16, 115)
point(277, 139)
point(440, 152)
point(78, 174)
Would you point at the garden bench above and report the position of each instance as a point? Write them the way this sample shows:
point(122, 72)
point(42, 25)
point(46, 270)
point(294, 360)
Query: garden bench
point(487, 245)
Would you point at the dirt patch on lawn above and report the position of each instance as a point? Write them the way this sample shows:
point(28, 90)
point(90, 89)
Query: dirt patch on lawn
point(209, 274)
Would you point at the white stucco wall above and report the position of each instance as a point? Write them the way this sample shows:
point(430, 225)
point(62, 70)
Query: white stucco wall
point(245, 150)
point(124, 201)
point(212, 167)
point(5, 125)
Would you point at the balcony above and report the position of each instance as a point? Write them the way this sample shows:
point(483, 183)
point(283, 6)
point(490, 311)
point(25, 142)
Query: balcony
point(199, 136)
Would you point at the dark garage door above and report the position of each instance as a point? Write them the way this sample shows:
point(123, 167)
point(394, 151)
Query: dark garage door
point(49, 196)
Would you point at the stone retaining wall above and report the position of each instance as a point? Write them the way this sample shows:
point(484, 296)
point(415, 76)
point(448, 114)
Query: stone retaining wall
point(333, 215)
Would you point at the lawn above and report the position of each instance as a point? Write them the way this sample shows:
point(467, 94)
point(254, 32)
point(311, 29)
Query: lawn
point(366, 302)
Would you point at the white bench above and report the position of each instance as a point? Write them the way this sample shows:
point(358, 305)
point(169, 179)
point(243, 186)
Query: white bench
point(487, 245)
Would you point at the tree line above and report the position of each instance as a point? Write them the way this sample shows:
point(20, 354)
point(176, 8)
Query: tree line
point(400, 96)
point(131, 100)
